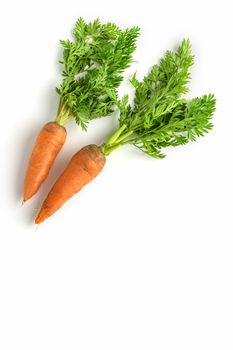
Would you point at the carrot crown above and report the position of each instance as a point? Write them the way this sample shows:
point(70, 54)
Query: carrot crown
point(93, 65)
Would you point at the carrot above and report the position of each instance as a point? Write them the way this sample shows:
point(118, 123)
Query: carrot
point(47, 146)
point(83, 167)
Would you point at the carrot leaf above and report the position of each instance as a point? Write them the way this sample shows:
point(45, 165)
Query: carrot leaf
point(160, 116)
point(93, 64)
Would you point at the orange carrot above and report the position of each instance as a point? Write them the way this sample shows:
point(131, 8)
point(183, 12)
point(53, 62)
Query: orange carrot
point(47, 146)
point(83, 167)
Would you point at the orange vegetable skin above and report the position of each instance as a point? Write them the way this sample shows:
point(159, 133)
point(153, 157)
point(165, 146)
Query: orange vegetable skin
point(83, 167)
point(47, 146)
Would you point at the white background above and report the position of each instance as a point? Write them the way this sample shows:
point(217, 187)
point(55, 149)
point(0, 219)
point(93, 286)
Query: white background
point(142, 258)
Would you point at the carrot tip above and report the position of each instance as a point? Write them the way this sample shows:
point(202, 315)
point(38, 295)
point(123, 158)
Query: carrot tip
point(22, 203)
point(38, 220)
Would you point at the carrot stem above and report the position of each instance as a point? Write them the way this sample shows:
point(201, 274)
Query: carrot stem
point(118, 139)
point(112, 139)
point(63, 113)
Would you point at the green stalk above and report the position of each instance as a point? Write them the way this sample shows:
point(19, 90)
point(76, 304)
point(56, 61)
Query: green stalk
point(110, 149)
point(124, 137)
point(116, 140)
point(63, 113)
point(112, 139)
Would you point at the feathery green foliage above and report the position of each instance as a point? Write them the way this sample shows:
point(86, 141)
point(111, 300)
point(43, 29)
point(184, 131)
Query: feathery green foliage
point(161, 117)
point(93, 66)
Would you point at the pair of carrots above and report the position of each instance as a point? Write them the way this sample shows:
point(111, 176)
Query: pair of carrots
point(83, 167)
point(160, 116)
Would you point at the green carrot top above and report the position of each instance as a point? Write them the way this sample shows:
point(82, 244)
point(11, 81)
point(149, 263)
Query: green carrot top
point(160, 115)
point(93, 64)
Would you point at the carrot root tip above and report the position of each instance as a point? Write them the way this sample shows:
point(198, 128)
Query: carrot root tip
point(37, 226)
